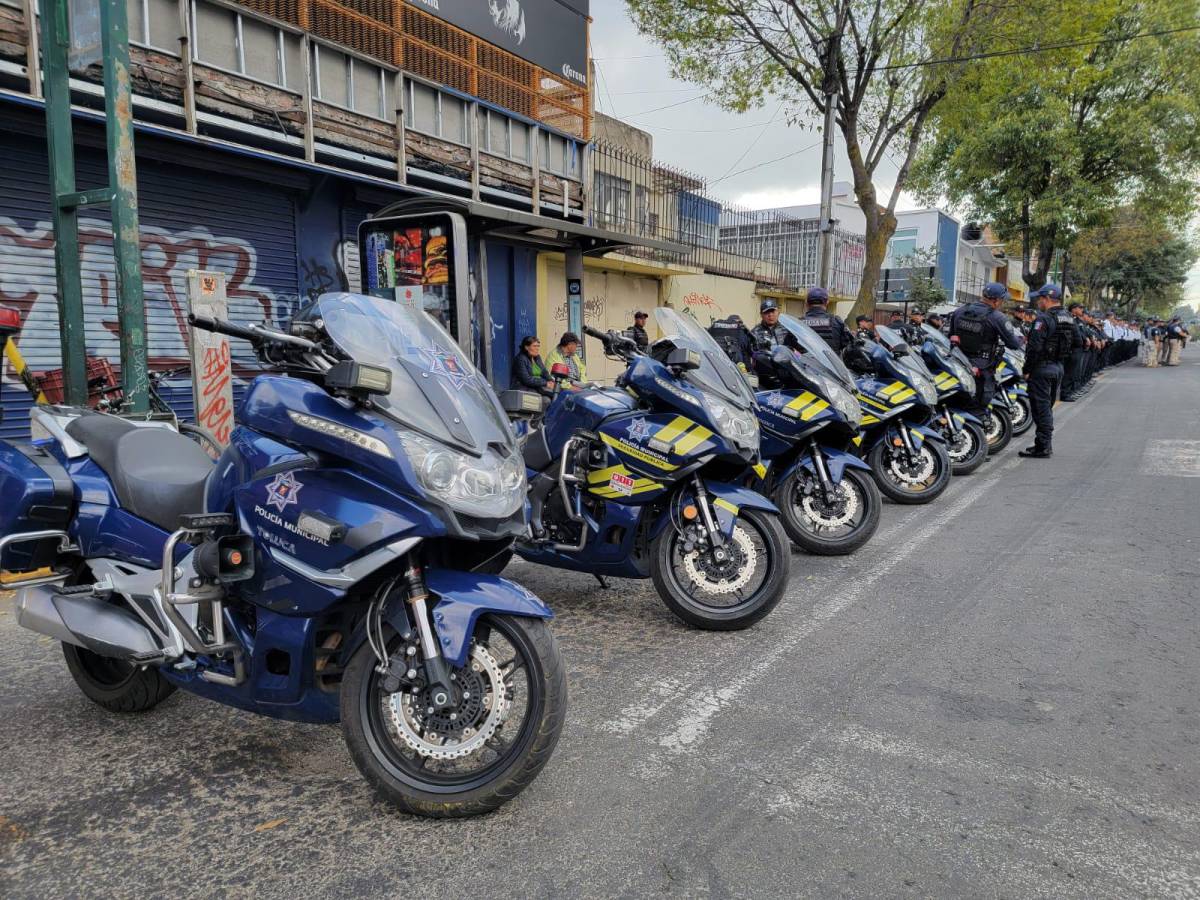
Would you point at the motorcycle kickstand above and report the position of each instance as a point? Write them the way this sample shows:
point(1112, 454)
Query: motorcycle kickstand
point(600, 578)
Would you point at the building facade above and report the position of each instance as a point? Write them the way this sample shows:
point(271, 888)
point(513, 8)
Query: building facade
point(266, 131)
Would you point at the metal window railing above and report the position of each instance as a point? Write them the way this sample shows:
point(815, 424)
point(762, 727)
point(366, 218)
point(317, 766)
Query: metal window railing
point(634, 195)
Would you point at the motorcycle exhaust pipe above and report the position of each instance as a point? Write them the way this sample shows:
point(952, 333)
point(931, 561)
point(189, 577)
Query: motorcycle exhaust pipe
point(86, 621)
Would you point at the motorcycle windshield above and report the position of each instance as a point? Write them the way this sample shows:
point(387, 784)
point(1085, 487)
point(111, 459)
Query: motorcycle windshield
point(717, 373)
point(816, 350)
point(943, 342)
point(435, 389)
point(890, 338)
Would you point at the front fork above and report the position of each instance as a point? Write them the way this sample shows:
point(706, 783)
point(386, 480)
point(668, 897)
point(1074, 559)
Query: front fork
point(828, 488)
point(909, 447)
point(715, 538)
point(437, 670)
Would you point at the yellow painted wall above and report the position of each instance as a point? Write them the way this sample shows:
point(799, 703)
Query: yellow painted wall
point(709, 297)
point(609, 301)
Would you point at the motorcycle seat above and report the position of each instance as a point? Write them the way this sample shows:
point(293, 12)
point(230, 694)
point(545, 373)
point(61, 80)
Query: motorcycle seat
point(157, 474)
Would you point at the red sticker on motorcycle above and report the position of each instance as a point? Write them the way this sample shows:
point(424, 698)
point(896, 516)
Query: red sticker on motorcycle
point(622, 484)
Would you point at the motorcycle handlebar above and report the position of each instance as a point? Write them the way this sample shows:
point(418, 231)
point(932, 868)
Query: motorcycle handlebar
point(593, 332)
point(220, 326)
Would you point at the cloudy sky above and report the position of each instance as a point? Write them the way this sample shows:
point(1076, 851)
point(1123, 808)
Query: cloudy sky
point(740, 155)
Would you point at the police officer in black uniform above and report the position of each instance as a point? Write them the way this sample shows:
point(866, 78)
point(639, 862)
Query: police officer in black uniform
point(769, 333)
point(732, 336)
point(831, 328)
point(638, 331)
point(914, 334)
point(1051, 341)
point(979, 329)
point(864, 328)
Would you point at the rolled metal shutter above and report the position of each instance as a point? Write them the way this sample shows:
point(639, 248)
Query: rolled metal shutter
point(189, 219)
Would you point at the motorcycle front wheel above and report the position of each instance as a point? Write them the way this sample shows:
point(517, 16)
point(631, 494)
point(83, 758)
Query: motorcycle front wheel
point(724, 594)
point(999, 431)
point(508, 712)
point(910, 483)
point(1022, 416)
point(968, 448)
point(829, 527)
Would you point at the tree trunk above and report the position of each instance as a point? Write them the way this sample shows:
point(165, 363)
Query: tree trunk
point(881, 225)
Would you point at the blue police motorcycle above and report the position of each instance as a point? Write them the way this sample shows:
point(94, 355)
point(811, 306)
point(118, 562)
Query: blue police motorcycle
point(809, 418)
point(1016, 393)
point(323, 569)
point(907, 456)
point(949, 364)
point(640, 480)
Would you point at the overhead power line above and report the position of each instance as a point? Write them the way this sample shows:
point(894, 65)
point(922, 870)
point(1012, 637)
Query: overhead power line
point(767, 163)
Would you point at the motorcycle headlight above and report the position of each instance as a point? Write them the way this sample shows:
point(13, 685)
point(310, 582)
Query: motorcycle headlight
point(928, 390)
point(963, 374)
point(740, 426)
point(489, 487)
point(843, 401)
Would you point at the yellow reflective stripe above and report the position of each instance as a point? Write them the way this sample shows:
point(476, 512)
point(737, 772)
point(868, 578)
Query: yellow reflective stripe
point(673, 429)
point(891, 389)
point(802, 401)
point(868, 419)
point(858, 439)
point(904, 395)
point(917, 436)
point(692, 439)
point(760, 470)
point(865, 398)
point(813, 410)
point(942, 376)
point(648, 486)
point(602, 475)
point(725, 505)
point(640, 455)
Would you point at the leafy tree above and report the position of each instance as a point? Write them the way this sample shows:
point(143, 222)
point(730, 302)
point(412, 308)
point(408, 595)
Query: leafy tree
point(1047, 145)
point(924, 292)
point(870, 56)
point(1136, 263)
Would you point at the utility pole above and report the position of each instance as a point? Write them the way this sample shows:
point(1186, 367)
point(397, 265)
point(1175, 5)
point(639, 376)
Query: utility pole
point(829, 87)
point(60, 37)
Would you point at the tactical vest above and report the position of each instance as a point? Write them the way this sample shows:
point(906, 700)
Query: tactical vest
point(728, 335)
point(975, 333)
point(822, 322)
point(1064, 327)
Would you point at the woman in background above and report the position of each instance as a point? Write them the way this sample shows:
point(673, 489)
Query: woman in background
point(529, 372)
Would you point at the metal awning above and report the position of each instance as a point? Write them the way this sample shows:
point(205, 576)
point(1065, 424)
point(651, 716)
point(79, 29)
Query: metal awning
point(515, 225)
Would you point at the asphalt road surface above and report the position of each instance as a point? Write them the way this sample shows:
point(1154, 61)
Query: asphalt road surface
point(998, 696)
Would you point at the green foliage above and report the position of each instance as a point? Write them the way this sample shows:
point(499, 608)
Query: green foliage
point(1135, 262)
point(860, 52)
point(924, 292)
point(1063, 138)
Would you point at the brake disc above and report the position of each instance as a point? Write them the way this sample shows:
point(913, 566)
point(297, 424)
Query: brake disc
point(723, 578)
point(831, 515)
point(916, 474)
point(454, 733)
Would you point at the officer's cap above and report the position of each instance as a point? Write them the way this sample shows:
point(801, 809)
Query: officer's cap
point(640, 314)
point(994, 290)
point(767, 305)
point(818, 295)
point(1053, 291)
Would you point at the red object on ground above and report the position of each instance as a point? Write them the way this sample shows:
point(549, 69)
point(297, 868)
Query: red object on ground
point(101, 378)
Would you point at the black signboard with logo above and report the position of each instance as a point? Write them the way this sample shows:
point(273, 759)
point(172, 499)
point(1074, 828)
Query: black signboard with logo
point(548, 33)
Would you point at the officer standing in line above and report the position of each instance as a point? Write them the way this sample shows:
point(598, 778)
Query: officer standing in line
point(914, 334)
point(732, 336)
point(1075, 368)
point(769, 333)
point(935, 321)
point(864, 328)
point(831, 328)
point(979, 329)
point(1051, 341)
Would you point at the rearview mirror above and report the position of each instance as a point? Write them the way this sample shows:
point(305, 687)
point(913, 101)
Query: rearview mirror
point(520, 402)
point(359, 378)
point(560, 371)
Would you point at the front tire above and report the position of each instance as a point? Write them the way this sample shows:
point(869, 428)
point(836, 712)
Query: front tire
point(409, 758)
point(1000, 431)
point(968, 448)
point(722, 596)
point(1023, 420)
point(118, 686)
point(824, 529)
point(910, 485)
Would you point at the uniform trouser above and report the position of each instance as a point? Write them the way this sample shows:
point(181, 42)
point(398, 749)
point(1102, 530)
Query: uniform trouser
point(1164, 351)
point(1073, 373)
point(1044, 382)
point(1150, 354)
point(1174, 348)
point(985, 385)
